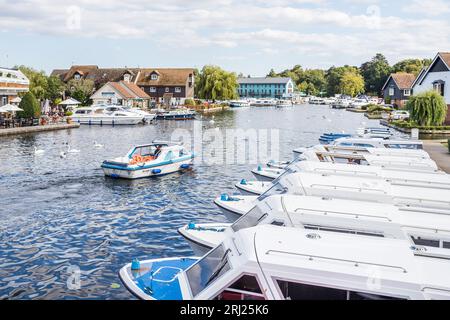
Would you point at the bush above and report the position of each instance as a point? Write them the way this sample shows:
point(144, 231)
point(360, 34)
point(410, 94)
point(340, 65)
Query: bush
point(68, 113)
point(30, 106)
point(428, 108)
point(189, 102)
point(373, 108)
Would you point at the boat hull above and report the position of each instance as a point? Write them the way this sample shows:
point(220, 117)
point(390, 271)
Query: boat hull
point(233, 210)
point(108, 120)
point(176, 117)
point(146, 171)
point(202, 238)
point(267, 175)
point(253, 188)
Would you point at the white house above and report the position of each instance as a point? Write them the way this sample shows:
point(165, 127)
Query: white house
point(436, 77)
point(122, 93)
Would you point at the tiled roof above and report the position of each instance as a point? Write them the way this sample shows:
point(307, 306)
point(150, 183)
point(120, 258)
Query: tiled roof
point(166, 77)
point(122, 90)
point(404, 80)
point(267, 80)
point(446, 57)
point(138, 92)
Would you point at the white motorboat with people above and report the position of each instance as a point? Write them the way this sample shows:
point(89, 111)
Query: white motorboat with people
point(155, 159)
point(284, 103)
point(178, 114)
point(148, 117)
point(420, 227)
point(299, 265)
point(426, 179)
point(239, 104)
point(343, 187)
point(264, 103)
point(100, 116)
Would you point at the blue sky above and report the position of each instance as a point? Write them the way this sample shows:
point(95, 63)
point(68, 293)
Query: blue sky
point(242, 36)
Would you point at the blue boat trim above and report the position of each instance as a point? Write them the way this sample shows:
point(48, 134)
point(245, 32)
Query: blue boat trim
point(112, 165)
point(161, 282)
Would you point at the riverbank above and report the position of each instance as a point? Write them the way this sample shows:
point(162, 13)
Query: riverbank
point(50, 127)
point(439, 153)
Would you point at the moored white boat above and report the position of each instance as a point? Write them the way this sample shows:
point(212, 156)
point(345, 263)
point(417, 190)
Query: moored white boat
point(98, 116)
point(299, 265)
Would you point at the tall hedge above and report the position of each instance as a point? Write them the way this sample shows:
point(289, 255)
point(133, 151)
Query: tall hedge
point(30, 106)
point(428, 108)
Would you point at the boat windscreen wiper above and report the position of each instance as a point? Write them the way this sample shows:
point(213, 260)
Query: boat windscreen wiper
point(219, 268)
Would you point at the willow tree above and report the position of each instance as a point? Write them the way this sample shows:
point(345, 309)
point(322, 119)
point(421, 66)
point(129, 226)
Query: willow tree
point(352, 83)
point(216, 84)
point(428, 108)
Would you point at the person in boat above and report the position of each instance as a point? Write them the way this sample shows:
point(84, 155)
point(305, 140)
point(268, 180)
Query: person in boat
point(157, 151)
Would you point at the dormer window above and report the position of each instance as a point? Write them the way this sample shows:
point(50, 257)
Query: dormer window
point(77, 76)
point(154, 76)
point(127, 77)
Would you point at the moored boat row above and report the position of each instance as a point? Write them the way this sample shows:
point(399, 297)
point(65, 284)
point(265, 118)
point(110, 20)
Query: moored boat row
point(321, 226)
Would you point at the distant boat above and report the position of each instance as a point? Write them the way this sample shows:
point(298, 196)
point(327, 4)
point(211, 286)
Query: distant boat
point(264, 103)
point(239, 104)
point(181, 114)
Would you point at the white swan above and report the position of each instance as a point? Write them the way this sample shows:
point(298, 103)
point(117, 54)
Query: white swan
point(70, 150)
point(97, 145)
point(38, 151)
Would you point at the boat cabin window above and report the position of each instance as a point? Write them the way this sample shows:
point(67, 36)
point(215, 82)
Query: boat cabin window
point(431, 242)
point(277, 189)
point(246, 288)
point(251, 219)
point(208, 269)
point(82, 111)
point(278, 223)
point(342, 230)
point(300, 291)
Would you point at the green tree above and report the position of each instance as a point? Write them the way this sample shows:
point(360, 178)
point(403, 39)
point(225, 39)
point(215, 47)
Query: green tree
point(38, 81)
point(334, 77)
point(55, 88)
point(413, 66)
point(375, 73)
point(30, 106)
point(81, 90)
point(428, 108)
point(351, 83)
point(216, 84)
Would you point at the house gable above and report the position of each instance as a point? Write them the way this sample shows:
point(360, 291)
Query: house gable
point(438, 65)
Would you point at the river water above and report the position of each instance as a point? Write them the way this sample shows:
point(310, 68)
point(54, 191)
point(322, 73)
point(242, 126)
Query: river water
point(62, 220)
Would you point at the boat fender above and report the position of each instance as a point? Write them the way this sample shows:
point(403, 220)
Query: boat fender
point(224, 197)
point(185, 166)
point(259, 168)
point(156, 171)
point(135, 265)
point(243, 182)
point(115, 176)
point(191, 226)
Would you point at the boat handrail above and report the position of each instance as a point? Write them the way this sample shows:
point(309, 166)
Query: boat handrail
point(167, 142)
point(356, 263)
point(423, 201)
point(340, 155)
point(360, 189)
point(419, 183)
point(343, 213)
point(424, 210)
point(355, 172)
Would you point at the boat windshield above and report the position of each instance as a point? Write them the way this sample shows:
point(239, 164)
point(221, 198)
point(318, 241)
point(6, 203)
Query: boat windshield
point(147, 151)
point(208, 269)
point(277, 189)
point(249, 220)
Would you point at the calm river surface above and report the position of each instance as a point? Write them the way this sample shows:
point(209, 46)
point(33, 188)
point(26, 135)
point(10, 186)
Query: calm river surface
point(57, 215)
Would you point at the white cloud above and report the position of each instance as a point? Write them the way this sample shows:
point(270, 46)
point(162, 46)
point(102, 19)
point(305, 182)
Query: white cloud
point(428, 7)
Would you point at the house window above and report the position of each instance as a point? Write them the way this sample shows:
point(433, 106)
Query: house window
point(391, 91)
point(407, 92)
point(439, 87)
point(178, 90)
point(154, 76)
point(152, 89)
point(167, 90)
point(77, 76)
point(126, 78)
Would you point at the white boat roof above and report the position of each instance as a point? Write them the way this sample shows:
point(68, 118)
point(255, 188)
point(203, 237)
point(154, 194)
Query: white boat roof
point(342, 260)
point(378, 141)
point(375, 151)
point(375, 213)
point(365, 188)
point(433, 178)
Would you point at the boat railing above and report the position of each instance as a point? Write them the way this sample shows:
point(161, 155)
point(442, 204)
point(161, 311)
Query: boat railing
point(356, 263)
point(344, 188)
point(419, 183)
point(445, 204)
point(340, 155)
point(347, 172)
point(167, 142)
point(425, 210)
point(298, 210)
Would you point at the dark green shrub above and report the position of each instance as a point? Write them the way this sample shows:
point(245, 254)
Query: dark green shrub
point(428, 108)
point(30, 106)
